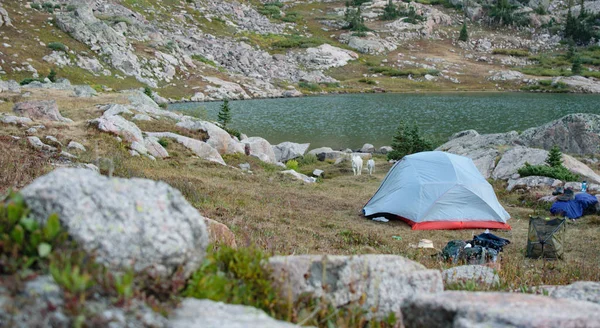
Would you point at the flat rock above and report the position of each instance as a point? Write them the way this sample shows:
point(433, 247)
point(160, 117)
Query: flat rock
point(261, 149)
point(199, 148)
point(37, 144)
point(289, 150)
point(386, 280)
point(573, 134)
point(326, 56)
point(195, 313)
point(319, 150)
point(18, 120)
point(45, 110)
point(299, 176)
point(477, 273)
point(76, 146)
point(531, 182)
point(84, 91)
point(128, 223)
point(491, 309)
point(154, 148)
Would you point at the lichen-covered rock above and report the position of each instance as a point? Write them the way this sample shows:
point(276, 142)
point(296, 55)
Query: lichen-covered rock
point(40, 110)
point(367, 148)
point(261, 149)
point(199, 148)
point(154, 148)
point(580, 290)
point(573, 134)
point(487, 309)
point(530, 182)
point(289, 150)
point(515, 158)
point(195, 313)
point(37, 144)
point(477, 273)
point(299, 176)
point(10, 86)
point(119, 126)
point(128, 223)
point(84, 91)
point(18, 120)
point(325, 56)
point(380, 283)
point(76, 146)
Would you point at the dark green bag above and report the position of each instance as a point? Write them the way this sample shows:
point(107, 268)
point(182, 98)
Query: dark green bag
point(545, 238)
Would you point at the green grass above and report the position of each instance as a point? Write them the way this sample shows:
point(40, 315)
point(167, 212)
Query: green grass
point(511, 52)
point(415, 72)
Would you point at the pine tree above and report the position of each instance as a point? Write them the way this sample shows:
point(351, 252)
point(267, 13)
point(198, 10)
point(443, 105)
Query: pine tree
point(464, 35)
point(576, 68)
point(408, 140)
point(52, 75)
point(554, 158)
point(224, 116)
point(390, 11)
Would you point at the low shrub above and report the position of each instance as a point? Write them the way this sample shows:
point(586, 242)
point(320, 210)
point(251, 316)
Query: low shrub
point(57, 46)
point(511, 52)
point(163, 142)
point(292, 164)
point(205, 60)
point(36, 6)
point(29, 80)
point(71, 7)
point(367, 81)
point(313, 87)
point(416, 72)
point(560, 172)
point(297, 41)
point(23, 242)
point(148, 91)
point(234, 277)
point(308, 159)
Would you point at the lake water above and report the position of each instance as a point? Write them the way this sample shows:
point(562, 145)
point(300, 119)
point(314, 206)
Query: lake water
point(349, 121)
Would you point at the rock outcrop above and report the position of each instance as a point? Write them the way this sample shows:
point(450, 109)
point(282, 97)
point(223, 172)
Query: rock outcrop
point(573, 134)
point(260, 148)
point(385, 280)
point(199, 148)
point(478, 274)
point(217, 137)
point(44, 110)
point(299, 176)
point(325, 56)
point(128, 223)
point(580, 291)
point(4, 18)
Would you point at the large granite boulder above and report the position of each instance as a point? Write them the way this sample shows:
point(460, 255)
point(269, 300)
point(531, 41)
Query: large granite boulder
point(155, 148)
point(220, 233)
point(532, 182)
point(195, 313)
point(128, 223)
point(580, 290)
point(289, 150)
point(10, 86)
point(44, 110)
point(573, 134)
point(481, 148)
point(325, 56)
point(260, 148)
point(119, 126)
point(483, 309)
point(217, 137)
point(199, 148)
point(515, 158)
point(319, 150)
point(380, 283)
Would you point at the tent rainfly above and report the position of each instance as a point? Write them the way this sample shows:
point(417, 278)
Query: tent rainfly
point(436, 190)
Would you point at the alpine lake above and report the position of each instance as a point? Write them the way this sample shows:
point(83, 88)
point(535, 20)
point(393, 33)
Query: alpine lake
point(351, 120)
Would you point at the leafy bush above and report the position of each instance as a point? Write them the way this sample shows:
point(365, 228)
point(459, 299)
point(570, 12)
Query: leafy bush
point(71, 7)
point(235, 277)
point(511, 52)
point(292, 164)
point(411, 16)
point(292, 17)
point(233, 132)
point(23, 243)
point(270, 10)
point(297, 41)
point(36, 6)
point(540, 10)
point(408, 140)
point(503, 13)
point(57, 46)
point(416, 72)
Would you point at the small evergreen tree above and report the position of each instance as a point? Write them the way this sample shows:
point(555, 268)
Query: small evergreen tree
point(148, 91)
point(224, 116)
point(408, 140)
point(464, 35)
point(554, 158)
point(576, 68)
point(390, 12)
point(52, 75)
point(354, 19)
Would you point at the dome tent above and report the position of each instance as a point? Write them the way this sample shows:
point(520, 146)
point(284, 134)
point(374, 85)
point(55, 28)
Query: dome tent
point(437, 190)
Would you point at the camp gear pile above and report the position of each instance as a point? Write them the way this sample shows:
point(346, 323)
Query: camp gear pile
point(484, 248)
point(576, 207)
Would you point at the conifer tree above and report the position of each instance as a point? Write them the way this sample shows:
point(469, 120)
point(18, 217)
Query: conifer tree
point(224, 116)
point(576, 68)
point(554, 158)
point(390, 11)
point(464, 35)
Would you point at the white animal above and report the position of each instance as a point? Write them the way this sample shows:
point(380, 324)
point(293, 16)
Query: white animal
point(370, 166)
point(357, 164)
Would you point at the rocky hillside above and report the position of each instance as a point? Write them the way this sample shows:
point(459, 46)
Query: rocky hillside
point(209, 50)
